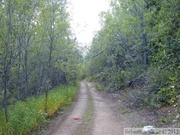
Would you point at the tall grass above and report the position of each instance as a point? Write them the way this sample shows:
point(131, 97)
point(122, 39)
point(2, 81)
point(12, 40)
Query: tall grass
point(26, 116)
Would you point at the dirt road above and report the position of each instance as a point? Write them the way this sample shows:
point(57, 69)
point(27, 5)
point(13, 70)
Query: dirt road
point(70, 124)
point(106, 121)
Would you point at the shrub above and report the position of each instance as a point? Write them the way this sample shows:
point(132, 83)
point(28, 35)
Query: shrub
point(26, 116)
point(160, 89)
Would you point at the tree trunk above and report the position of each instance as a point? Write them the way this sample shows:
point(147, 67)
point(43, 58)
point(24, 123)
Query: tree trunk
point(144, 39)
point(5, 103)
point(46, 100)
point(51, 43)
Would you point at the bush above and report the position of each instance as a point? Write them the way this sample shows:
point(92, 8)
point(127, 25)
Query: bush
point(26, 116)
point(160, 89)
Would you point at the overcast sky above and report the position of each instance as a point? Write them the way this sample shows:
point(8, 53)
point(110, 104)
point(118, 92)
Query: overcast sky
point(85, 19)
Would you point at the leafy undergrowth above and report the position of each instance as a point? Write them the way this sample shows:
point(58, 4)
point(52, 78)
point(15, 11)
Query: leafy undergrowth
point(155, 90)
point(24, 117)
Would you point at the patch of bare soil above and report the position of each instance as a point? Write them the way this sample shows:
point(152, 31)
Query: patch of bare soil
point(137, 117)
point(69, 125)
point(107, 118)
point(108, 114)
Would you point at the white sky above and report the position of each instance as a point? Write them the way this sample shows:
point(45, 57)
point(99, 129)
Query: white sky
point(85, 19)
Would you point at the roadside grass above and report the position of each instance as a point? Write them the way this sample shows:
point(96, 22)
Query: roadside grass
point(85, 127)
point(25, 117)
point(100, 87)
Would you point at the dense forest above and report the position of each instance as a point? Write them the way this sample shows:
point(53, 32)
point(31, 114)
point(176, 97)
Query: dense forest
point(37, 50)
point(139, 47)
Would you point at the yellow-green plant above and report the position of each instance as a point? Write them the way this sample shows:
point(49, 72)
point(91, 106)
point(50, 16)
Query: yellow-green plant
point(24, 117)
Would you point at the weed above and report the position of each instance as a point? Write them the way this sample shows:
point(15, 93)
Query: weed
point(24, 117)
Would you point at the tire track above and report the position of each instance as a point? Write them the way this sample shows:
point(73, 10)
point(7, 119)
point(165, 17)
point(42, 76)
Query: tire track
point(70, 125)
point(105, 120)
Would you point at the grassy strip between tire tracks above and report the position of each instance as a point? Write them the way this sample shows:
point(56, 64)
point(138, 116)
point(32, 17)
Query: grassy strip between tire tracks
point(25, 117)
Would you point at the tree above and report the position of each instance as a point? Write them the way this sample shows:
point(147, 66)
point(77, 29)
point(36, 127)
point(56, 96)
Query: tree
point(8, 49)
point(136, 37)
point(37, 50)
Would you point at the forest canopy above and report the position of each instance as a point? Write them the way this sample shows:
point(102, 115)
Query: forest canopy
point(37, 49)
point(139, 46)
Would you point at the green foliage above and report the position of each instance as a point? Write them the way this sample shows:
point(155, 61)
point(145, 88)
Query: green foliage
point(118, 50)
point(159, 89)
point(100, 87)
point(139, 39)
point(37, 49)
point(26, 116)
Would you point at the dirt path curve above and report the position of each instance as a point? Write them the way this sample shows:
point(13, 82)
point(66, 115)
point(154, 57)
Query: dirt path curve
point(69, 125)
point(106, 120)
